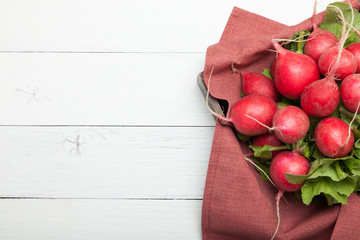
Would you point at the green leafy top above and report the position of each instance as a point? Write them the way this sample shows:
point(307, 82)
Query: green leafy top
point(334, 178)
point(332, 22)
point(297, 41)
point(267, 73)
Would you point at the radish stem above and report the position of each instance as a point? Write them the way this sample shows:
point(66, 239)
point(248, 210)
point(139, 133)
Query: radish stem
point(352, 121)
point(341, 43)
point(260, 169)
point(278, 197)
point(233, 68)
point(313, 17)
point(350, 114)
point(269, 128)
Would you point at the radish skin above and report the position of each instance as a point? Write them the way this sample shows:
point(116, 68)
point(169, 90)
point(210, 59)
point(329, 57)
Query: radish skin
point(344, 61)
point(290, 124)
point(256, 83)
point(268, 139)
point(319, 40)
point(332, 137)
point(286, 162)
point(347, 66)
point(321, 97)
point(257, 106)
point(293, 72)
point(354, 49)
point(272, 68)
point(350, 92)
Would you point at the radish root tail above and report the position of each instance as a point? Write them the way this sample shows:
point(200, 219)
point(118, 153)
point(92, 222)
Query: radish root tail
point(233, 68)
point(269, 128)
point(353, 28)
point(344, 36)
point(259, 168)
point(297, 39)
point(278, 197)
point(313, 17)
point(352, 121)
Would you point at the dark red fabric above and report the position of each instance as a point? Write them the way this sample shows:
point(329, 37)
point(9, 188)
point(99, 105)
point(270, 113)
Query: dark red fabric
point(237, 203)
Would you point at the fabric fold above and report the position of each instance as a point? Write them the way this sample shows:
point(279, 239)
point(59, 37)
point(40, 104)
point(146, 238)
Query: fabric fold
point(237, 203)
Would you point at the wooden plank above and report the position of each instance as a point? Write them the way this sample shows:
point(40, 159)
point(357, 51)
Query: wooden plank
point(104, 162)
point(78, 219)
point(111, 25)
point(102, 89)
point(136, 26)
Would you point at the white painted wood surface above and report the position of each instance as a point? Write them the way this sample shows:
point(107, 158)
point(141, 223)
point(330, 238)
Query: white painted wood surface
point(79, 219)
point(104, 133)
point(129, 26)
point(104, 162)
point(102, 89)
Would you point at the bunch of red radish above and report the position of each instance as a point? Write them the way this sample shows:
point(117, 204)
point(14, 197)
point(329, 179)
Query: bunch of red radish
point(298, 77)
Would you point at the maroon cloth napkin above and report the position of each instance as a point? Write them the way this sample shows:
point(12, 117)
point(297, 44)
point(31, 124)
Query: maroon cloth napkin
point(237, 203)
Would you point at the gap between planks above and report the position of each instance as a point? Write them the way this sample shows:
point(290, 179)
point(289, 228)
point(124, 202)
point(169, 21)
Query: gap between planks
point(107, 52)
point(128, 199)
point(110, 126)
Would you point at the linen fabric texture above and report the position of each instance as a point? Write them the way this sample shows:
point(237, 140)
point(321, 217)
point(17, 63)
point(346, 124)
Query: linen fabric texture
point(237, 203)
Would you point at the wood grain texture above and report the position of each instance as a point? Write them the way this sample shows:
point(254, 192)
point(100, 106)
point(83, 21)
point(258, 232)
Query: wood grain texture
point(75, 219)
point(129, 156)
point(111, 25)
point(104, 162)
point(123, 26)
point(102, 89)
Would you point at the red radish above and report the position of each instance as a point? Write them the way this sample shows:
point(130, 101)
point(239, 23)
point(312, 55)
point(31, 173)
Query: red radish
point(354, 49)
point(350, 92)
point(293, 72)
point(286, 162)
point(258, 106)
point(346, 63)
point(256, 83)
point(319, 40)
point(268, 139)
point(334, 137)
point(290, 124)
point(321, 97)
point(272, 68)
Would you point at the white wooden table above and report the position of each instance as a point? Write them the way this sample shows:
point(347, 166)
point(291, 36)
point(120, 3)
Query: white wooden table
point(104, 133)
